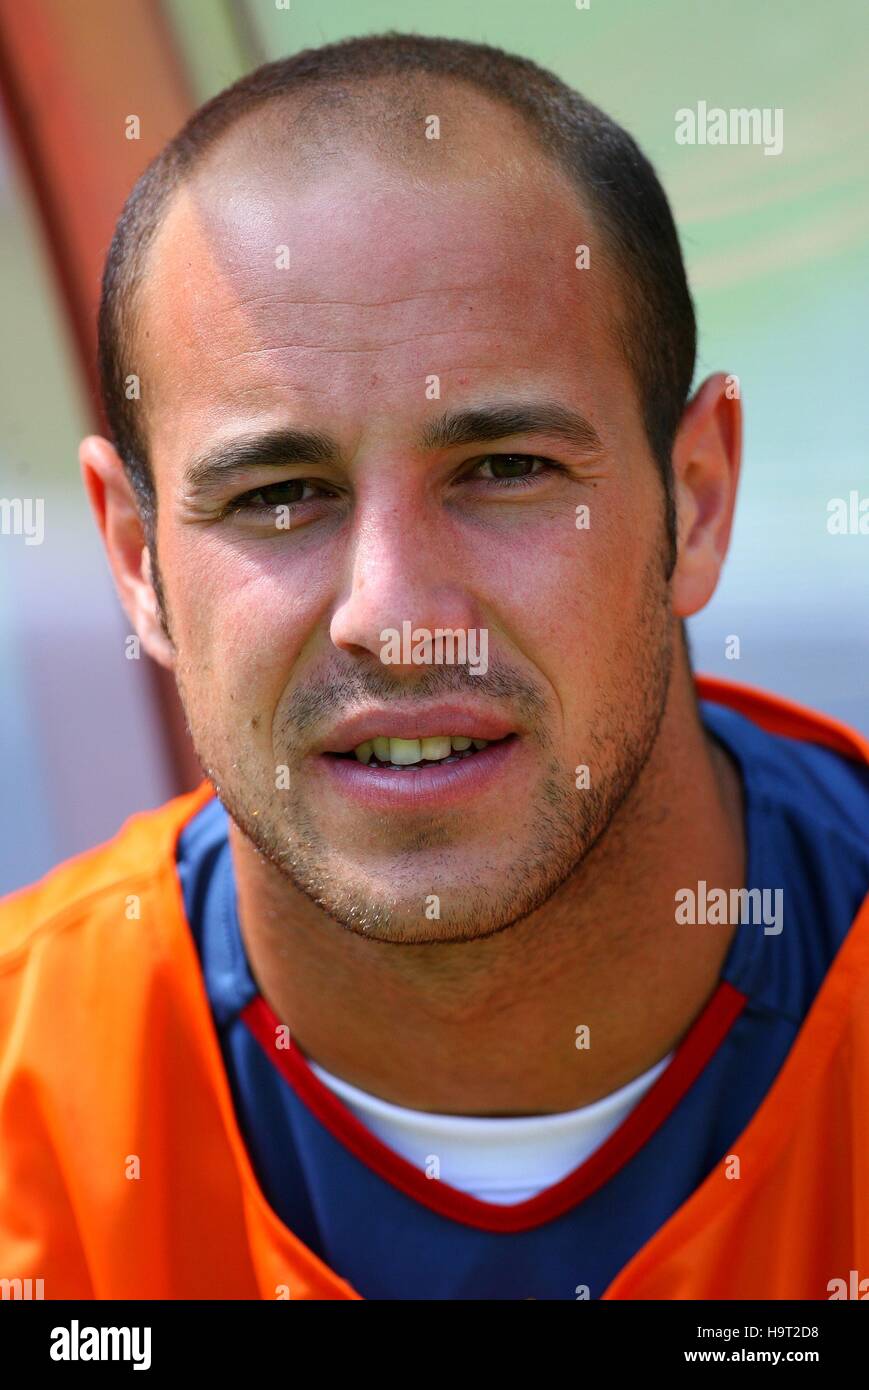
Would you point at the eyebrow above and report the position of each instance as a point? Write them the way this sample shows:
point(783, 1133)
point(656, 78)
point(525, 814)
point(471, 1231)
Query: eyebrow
point(482, 424)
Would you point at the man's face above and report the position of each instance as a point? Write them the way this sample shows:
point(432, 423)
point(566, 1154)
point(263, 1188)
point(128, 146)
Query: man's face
point(363, 306)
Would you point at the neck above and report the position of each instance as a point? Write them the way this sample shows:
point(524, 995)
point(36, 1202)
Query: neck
point(489, 1027)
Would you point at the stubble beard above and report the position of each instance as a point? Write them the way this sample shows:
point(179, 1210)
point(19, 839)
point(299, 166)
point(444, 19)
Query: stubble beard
point(564, 823)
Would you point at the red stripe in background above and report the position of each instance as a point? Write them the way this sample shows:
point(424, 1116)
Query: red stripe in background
point(692, 1055)
point(69, 76)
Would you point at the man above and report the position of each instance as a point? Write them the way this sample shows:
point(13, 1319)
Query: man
point(488, 962)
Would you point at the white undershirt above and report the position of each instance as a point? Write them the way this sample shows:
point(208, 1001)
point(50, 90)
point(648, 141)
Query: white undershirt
point(498, 1160)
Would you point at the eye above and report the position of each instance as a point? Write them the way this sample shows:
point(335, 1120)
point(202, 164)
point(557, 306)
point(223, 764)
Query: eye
point(288, 493)
point(513, 470)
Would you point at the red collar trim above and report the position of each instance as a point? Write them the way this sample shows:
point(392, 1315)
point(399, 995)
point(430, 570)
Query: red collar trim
point(697, 1047)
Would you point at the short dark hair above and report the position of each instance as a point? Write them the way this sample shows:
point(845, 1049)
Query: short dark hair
point(604, 163)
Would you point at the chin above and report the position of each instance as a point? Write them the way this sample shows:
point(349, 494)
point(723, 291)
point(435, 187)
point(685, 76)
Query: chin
point(425, 913)
point(401, 928)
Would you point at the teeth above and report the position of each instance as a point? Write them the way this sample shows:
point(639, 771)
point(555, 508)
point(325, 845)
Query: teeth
point(404, 752)
point(434, 748)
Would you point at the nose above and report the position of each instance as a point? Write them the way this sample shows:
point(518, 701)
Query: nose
point(406, 566)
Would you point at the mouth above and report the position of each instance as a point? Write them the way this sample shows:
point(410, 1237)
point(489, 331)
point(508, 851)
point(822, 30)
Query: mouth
point(417, 754)
point(422, 776)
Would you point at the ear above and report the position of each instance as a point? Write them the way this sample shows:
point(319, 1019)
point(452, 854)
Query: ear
point(706, 458)
point(114, 506)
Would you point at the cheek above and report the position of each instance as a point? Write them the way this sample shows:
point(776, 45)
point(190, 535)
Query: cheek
point(565, 588)
point(571, 600)
point(241, 615)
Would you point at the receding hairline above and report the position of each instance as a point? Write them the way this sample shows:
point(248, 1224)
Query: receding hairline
point(385, 116)
point(600, 161)
point(402, 145)
point(255, 130)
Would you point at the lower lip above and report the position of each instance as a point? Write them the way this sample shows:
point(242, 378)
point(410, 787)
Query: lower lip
point(432, 786)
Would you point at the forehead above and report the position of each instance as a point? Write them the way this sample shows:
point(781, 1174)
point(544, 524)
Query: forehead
point(284, 290)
